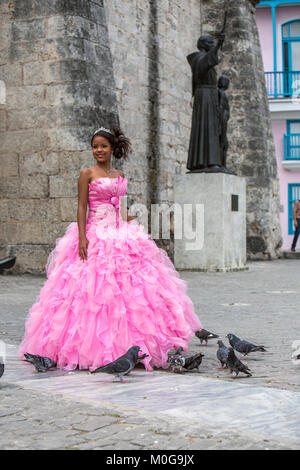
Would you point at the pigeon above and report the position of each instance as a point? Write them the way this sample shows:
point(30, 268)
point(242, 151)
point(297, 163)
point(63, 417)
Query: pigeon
point(243, 346)
point(42, 364)
point(234, 364)
point(177, 360)
point(2, 358)
point(176, 357)
point(139, 361)
point(205, 335)
point(121, 366)
point(222, 353)
point(193, 362)
point(140, 358)
point(296, 358)
point(7, 263)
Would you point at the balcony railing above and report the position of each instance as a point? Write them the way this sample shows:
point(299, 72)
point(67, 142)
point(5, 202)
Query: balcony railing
point(292, 147)
point(283, 84)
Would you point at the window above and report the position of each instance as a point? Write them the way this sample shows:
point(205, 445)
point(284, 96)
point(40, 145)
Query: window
point(291, 57)
point(292, 141)
point(293, 196)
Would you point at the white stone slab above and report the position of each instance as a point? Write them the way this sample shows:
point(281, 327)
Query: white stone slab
point(224, 405)
point(219, 233)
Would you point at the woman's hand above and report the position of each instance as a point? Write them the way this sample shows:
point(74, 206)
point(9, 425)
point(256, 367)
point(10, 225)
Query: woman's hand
point(83, 245)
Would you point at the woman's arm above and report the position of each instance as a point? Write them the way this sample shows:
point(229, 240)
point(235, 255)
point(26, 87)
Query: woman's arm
point(83, 187)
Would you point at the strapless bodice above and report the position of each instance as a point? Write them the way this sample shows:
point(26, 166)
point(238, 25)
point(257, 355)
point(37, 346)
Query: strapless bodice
point(104, 195)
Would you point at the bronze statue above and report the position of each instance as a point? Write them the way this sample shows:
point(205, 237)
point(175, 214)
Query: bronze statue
point(204, 148)
point(224, 110)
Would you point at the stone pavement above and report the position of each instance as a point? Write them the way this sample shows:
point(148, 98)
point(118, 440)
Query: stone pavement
point(160, 409)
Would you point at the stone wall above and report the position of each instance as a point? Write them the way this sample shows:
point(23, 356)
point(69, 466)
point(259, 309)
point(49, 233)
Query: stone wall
point(57, 91)
point(69, 67)
point(251, 147)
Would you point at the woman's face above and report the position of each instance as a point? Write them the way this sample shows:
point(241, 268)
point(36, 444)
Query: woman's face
point(101, 149)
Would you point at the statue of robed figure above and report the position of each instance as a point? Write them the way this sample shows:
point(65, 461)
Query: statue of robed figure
point(204, 148)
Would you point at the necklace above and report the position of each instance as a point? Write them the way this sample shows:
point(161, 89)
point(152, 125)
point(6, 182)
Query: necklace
point(108, 171)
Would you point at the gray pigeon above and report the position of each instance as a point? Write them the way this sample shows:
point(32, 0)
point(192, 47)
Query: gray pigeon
point(243, 346)
point(41, 363)
point(193, 362)
point(121, 366)
point(205, 335)
point(234, 364)
point(222, 353)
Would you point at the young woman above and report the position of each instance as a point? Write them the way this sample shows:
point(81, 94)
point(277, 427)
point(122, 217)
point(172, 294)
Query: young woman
point(109, 286)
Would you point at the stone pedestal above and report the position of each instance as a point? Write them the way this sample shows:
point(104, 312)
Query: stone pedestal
point(210, 222)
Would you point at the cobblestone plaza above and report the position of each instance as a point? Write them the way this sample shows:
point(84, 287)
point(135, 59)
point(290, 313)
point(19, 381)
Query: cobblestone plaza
point(160, 409)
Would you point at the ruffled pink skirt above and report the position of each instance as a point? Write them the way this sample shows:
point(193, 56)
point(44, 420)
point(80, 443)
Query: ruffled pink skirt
point(127, 293)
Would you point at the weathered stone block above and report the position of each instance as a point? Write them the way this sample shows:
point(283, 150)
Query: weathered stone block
point(38, 118)
point(74, 70)
point(54, 7)
point(10, 187)
point(41, 72)
point(74, 162)
point(9, 165)
point(43, 162)
point(62, 186)
point(23, 141)
point(22, 9)
point(25, 97)
point(68, 209)
point(36, 186)
point(21, 232)
point(4, 210)
point(11, 74)
point(43, 210)
point(31, 258)
point(23, 52)
point(29, 30)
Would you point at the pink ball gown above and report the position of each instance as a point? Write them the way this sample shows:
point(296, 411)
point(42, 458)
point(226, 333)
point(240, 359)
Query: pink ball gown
point(126, 293)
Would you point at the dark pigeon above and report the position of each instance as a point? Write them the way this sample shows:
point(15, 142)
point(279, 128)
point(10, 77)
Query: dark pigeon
point(178, 362)
point(140, 358)
point(234, 364)
point(41, 363)
point(243, 346)
point(222, 353)
point(121, 366)
point(193, 362)
point(205, 335)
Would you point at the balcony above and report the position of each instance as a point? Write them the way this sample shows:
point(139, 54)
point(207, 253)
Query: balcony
point(291, 152)
point(283, 84)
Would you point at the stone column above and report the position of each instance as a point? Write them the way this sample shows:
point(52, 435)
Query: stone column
point(56, 66)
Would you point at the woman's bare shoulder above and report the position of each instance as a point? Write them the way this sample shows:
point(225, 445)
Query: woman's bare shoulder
point(121, 173)
point(85, 174)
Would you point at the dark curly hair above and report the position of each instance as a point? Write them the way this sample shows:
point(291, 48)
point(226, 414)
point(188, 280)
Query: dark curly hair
point(120, 143)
